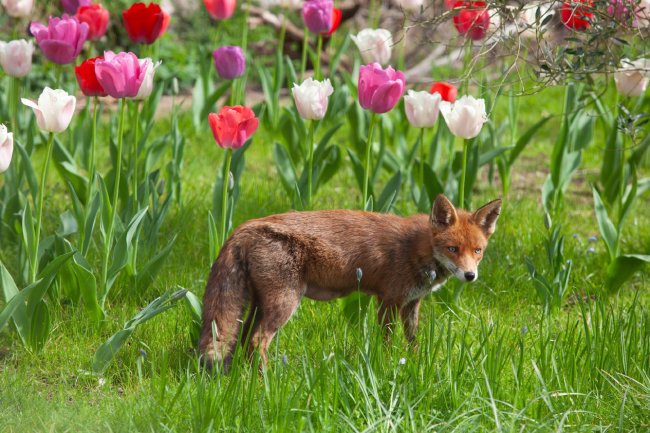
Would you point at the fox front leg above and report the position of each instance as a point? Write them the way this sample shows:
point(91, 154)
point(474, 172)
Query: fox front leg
point(410, 314)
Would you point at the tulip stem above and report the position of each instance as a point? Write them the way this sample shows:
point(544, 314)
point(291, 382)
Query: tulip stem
point(224, 195)
point(366, 171)
point(303, 63)
point(283, 34)
point(116, 189)
point(310, 173)
point(461, 187)
point(39, 209)
point(319, 47)
point(93, 146)
point(134, 153)
point(422, 156)
point(15, 89)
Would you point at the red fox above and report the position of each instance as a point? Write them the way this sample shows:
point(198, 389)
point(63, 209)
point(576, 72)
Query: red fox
point(271, 263)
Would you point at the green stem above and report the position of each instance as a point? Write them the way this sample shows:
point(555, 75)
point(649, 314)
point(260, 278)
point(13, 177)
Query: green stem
point(224, 195)
point(366, 168)
point(39, 209)
point(310, 173)
point(15, 88)
point(461, 187)
point(113, 208)
point(402, 49)
point(466, 61)
point(134, 153)
point(244, 38)
point(303, 61)
point(319, 47)
point(422, 156)
point(93, 147)
point(283, 33)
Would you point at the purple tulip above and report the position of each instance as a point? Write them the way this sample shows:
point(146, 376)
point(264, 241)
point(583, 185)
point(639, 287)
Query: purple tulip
point(317, 15)
point(230, 62)
point(380, 89)
point(62, 40)
point(71, 6)
point(121, 75)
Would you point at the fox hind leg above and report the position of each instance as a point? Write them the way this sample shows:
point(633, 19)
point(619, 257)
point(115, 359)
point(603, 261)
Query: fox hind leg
point(409, 314)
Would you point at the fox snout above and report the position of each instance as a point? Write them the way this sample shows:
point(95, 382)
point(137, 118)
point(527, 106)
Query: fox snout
point(465, 275)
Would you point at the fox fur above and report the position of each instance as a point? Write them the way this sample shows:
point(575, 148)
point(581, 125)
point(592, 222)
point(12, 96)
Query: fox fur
point(269, 264)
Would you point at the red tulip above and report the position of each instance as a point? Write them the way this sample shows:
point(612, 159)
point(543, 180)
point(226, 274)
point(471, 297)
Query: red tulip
point(336, 21)
point(472, 20)
point(96, 16)
point(145, 24)
point(233, 126)
point(220, 9)
point(87, 78)
point(575, 16)
point(448, 92)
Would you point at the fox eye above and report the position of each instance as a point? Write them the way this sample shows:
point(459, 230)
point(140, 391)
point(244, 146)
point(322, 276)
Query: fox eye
point(453, 249)
point(477, 251)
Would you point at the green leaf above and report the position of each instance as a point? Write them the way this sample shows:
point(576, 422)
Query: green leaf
point(358, 170)
point(622, 268)
point(285, 167)
point(390, 193)
point(355, 307)
point(14, 303)
point(606, 227)
point(28, 169)
point(148, 273)
point(40, 326)
point(523, 141)
point(121, 250)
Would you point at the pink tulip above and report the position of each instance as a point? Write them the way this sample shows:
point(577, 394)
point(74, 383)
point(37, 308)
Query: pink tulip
point(121, 75)
point(233, 126)
point(62, 40)
point(380, 89)
point(220, 9)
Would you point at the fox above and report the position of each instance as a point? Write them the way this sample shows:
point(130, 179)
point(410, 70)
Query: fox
point(269, 264)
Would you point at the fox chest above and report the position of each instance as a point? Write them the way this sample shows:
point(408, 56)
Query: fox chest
point(430, 280)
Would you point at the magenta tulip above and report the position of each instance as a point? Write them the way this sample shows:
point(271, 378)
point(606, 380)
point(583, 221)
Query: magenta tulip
point(71, 6)
point(317, 15)
point(380, 89)
point(230, 62)
point(62, 40)
point(121, 75)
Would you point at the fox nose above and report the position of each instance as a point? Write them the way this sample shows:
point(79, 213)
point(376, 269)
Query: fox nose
point(470, 276)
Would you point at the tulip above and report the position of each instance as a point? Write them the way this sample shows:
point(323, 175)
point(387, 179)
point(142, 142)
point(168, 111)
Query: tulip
point(71, 6)
point(97, 17)
point(317, 15)
point(422, 108)
point(410, 5)
point(375, 46)
point(62, 40)
point(220, 9)
point(145, 24)
point(18, 8)
point(465, 118)
point(337, 15)
point(473, 19)
point(380, 89)
point(643, 14)
point(311, 98)
point(231, 127)
point(230, 62)
point(147, 83)
point(633, 77)
point(448, 92)
point(87, 78)
point(577, 17)
point(121, 75)
point(16, 57)
point(54, 109)
point(6, 148)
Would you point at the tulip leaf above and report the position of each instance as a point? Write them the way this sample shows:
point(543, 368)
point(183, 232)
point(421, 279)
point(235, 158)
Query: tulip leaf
point(148, 273)
point(285, 167)
point(606, 227)
point(358, 169)
point(622, 268)
point(14, 303)
point(28, 169)
point(121, 250)
point(523, 141)
point(390, 193)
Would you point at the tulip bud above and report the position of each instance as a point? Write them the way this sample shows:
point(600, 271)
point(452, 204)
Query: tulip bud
point(230, 62)
point(145, 23)
point(375, 46)
point(175, 86)
point(16, 57)
point(233, 126)
point(121, 75)
point(422, 108)
point(465, 117)
point(448, 92)
point(577, 14)
point(97, 17)
point(62, 40)
point(317, 15)
point(220, 9)
point(6, 148)
point(380, 89)
point(312, 98)
point(632, 78)
point(472, 20)
point(147, 83)
point(18, 8)
point(54, 109)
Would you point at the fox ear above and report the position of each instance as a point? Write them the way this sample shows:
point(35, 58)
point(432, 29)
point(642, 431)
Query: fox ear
point(486, 217)
point(443, 213)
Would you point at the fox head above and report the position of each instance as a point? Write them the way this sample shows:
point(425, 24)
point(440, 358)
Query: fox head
point(460, 237)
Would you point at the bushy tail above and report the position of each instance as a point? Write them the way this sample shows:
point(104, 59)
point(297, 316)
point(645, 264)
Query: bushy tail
point(225, 299)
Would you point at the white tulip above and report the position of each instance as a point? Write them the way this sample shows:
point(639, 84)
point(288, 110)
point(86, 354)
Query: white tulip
point(54, 109)
point(312, 97)
point(16, 57)
point(147, 83)
point(286, 4)
point(632, 78)
point(18, 8)
point(6, 148)
point(465, 117)
point(375, 45)
point(410, 5)
point(422, 108)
